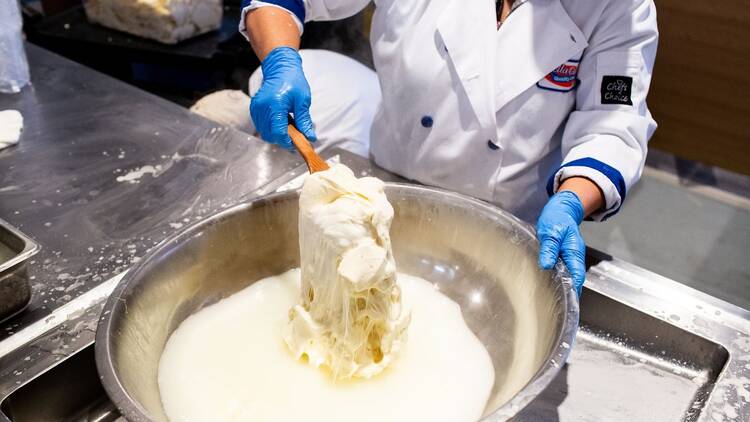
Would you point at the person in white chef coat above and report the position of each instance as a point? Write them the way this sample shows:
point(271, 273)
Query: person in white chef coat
point(538, 106)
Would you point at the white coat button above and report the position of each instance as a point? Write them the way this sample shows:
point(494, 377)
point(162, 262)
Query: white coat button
point(492, 145)
point(426, 121)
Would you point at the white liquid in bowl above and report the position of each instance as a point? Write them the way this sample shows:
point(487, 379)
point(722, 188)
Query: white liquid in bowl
point(229, 362)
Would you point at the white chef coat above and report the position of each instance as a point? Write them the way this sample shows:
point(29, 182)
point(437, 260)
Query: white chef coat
point(559, 90)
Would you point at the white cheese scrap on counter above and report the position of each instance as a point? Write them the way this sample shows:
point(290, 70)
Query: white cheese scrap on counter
point(167, 21)
point(349, 318)
point(11, 126)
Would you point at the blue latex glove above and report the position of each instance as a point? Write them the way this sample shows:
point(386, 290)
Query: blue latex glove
point(558, 233)
point(284, 90)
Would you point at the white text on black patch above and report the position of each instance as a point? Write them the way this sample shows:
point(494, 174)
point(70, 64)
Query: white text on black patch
point(617, 89)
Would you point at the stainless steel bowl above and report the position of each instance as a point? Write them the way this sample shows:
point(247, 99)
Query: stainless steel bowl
point(480, 256)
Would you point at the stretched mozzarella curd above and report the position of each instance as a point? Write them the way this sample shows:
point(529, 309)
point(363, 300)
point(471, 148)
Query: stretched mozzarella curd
point(229, 362)
point(349, 316)
point(328, 342)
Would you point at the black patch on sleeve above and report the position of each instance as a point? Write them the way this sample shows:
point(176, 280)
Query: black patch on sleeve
point(617, 90)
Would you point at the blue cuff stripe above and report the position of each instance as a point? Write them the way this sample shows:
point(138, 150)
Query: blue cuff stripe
point(295, 6)
point(612, 174)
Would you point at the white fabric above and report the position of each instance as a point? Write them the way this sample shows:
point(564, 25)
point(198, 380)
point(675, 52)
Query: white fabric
point(228, 108)
point(167, 21)
point(444, 59)
point(345, 96)
point(11, 126)
point(342, 109)
point(257, 4)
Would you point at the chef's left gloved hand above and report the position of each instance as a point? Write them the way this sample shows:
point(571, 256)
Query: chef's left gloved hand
point(558, 233)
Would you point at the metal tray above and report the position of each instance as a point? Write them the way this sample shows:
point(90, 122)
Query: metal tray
point(83, 400)
point(630, 366)
point(15, 249)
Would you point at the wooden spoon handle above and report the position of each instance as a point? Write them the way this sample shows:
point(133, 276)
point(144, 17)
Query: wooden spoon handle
point(313, 160)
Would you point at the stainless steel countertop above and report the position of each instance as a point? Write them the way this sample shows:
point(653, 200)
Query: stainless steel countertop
point(79, 183)
point(98, 125)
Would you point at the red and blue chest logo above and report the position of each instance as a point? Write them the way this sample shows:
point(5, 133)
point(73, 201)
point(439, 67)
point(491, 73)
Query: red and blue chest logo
point(563, 79)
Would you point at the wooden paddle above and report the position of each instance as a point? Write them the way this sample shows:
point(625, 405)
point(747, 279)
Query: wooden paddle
point(313, 160)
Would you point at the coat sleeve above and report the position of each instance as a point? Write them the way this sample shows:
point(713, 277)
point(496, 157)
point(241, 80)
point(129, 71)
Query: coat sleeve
point(306, 10)
point(606, 136)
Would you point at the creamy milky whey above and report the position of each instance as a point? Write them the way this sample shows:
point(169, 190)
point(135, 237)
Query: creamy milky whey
point(349, 319)
point(228, 363)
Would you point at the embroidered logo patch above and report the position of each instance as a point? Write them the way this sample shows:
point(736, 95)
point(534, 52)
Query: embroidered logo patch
point(617, 90)
point(564, 78)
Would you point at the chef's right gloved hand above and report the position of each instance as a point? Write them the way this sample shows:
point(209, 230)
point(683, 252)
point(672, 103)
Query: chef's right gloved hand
point(284, 90)
point(559, 236)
